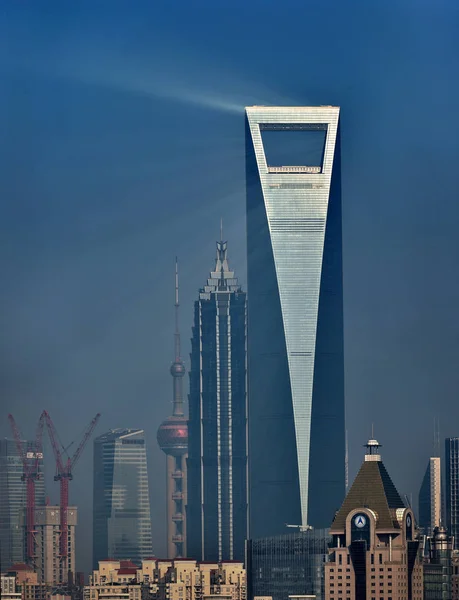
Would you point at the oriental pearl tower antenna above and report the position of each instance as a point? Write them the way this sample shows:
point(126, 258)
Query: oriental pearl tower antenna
point(173, 440)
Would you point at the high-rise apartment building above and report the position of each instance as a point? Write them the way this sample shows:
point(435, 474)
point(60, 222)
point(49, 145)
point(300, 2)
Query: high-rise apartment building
point(173, 441)
point(375, 551)
point(430, 497)
point(13, 501)
point(121, 504)
point(217, 426)
point(295, 317)
point(50, 567)
point(452, 487)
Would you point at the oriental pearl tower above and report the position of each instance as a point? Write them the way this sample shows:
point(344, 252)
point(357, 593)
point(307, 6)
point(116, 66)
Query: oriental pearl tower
point(173, 440)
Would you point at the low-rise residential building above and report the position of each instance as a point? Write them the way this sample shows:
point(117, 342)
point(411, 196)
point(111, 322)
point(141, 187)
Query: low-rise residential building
point(9, 589)
point(178, 579)
point(27, 583)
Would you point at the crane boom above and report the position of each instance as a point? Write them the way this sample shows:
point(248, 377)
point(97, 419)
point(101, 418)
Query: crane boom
point(64, 475)
point(83, 442)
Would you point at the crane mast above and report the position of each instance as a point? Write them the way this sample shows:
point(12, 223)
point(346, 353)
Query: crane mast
point(31, 472)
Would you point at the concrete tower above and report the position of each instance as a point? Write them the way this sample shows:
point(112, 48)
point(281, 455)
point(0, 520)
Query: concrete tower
point(173, 441)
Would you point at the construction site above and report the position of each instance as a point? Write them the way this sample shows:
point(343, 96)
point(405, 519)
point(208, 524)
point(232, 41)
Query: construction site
point(41, 554)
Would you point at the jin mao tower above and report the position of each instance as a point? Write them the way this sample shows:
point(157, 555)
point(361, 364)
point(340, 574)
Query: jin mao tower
point(217, 463)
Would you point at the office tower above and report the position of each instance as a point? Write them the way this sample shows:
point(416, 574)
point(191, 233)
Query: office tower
point(452, 487)
point(430, 497)
point(173, 441)
point(438, 566)
point(217, 426)
point(121, 505)
point(375, 550)
point(49, 567)
point(295, 324)
point(283, 565)
point(13, 501)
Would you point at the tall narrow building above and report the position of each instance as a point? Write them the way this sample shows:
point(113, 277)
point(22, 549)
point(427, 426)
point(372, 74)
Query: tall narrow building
point(430, 497)
point(13, 501)
point(49, 566)
point(121, 503)
point(173, 441)
point(452, 488)
point(217, 465)
point(295, 325)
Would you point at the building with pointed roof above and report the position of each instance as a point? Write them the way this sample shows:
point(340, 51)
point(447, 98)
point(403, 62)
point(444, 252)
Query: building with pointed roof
point(217, 427)
point(374, 554)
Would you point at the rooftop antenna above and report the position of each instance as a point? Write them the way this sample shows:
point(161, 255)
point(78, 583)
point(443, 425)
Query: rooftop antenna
point(177, 368)
point(177, 333)
point(221, 229)
point(346, 465)
point(436, 437)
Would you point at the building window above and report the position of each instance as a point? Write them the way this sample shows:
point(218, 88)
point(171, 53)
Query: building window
point(340, 559)
point(380, 560)
point(372, 559)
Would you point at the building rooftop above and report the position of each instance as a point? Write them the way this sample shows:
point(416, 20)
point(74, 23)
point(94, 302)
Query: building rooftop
point(115, 434)
point(372, 488)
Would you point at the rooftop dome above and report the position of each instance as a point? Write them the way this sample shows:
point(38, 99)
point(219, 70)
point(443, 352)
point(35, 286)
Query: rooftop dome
point(172, 436)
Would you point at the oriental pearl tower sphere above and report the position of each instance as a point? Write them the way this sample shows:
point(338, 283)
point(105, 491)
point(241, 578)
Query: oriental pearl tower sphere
point(173, 440)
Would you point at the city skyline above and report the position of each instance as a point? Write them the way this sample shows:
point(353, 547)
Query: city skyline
point(124, 145)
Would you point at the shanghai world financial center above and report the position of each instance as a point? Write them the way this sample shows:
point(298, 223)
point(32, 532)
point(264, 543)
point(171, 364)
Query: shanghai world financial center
point(295, 317)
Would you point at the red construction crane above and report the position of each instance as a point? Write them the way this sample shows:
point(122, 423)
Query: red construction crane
point(64, 470)
point(30, 459)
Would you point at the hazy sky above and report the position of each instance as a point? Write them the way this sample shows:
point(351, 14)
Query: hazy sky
point(122, 145)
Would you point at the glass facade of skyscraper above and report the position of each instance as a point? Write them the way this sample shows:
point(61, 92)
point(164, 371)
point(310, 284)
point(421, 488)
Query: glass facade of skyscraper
point(13, 501)
point(295, 317)
point(452, 488)
point(217, 427)
point(121, 505)
point(286, 565)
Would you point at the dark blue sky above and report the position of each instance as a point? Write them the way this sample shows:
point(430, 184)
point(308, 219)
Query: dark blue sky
point(122, 145)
